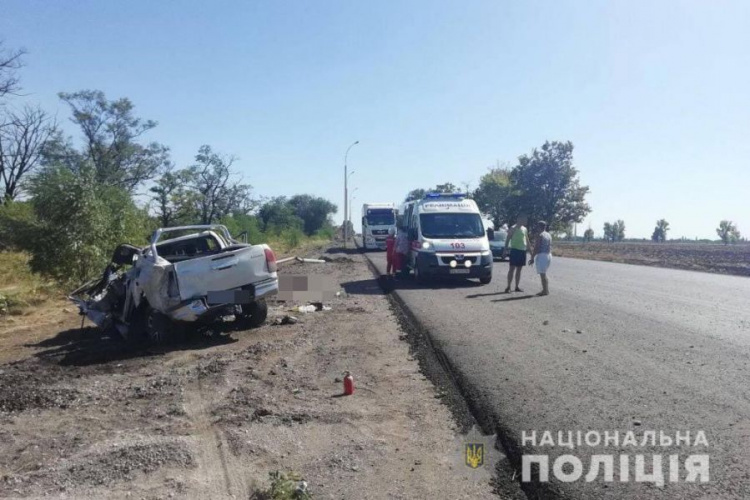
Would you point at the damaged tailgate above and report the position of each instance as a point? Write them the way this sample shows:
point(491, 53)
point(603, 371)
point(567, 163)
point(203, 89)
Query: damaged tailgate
point(229, 270)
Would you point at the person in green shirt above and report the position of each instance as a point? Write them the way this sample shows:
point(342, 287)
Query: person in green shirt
point(518, 242)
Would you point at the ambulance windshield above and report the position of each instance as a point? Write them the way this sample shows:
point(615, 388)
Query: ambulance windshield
point(451, 225)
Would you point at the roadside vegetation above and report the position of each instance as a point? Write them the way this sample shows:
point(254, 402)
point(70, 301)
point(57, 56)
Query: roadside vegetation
point(20, 288)
point(67, 202)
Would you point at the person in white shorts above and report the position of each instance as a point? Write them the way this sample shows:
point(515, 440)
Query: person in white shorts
point(541, 256)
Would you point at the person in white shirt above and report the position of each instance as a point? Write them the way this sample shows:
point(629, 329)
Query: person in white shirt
point(541, 256)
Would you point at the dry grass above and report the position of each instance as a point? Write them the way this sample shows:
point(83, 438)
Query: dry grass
point(20, 289)
point(282, 247)
point(705, 257)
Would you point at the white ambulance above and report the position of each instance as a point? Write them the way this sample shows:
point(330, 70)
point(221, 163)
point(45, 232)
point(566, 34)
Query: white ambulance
point(447, 238)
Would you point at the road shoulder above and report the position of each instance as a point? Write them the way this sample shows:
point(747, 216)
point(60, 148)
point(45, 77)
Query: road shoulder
point(214, 417)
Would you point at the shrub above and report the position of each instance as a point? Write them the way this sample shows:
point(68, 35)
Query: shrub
point(292, 237)
point(325, 233)
point(284, 486)
point(79, 224)
point(239, 223)
point(19, 287)
point(17, 223)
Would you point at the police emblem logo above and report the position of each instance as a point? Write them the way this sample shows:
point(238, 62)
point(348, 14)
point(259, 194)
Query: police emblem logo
point(474, 455)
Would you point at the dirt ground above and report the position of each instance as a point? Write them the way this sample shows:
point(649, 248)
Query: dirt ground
point(706, 257)
point(84, 416)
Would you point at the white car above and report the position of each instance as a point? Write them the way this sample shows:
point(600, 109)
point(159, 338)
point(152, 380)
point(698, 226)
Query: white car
point(201, 275)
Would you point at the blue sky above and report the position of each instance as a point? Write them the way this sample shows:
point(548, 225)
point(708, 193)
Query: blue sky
point(654, 95)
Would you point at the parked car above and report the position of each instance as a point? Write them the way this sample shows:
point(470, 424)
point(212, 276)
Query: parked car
point(199, 276)
point(497, 244)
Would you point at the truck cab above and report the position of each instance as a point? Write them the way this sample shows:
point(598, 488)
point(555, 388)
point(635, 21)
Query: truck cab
point(448, 238)
point(377, 220)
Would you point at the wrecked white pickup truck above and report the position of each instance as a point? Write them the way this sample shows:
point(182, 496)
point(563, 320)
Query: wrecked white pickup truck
point(199, 276)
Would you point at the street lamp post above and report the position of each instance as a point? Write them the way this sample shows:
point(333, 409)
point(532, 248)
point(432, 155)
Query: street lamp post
point(351, 198)
point(346, 194)
point(349, 202)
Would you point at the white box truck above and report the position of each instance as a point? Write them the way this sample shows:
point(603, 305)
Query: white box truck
point(377, 219)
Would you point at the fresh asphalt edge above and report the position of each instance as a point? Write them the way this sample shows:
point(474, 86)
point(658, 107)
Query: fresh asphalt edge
point(466, 404)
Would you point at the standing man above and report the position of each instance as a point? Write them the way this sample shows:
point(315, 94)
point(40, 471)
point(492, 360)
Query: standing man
point(518, 242)
point(542, 255)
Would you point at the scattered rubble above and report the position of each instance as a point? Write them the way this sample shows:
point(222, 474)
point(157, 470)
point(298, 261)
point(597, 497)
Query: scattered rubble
point(336, 259)
point(313, 307)
point(286, 320)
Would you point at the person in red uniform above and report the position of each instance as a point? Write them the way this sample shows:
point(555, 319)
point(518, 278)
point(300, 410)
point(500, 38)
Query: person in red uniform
point(390, 252)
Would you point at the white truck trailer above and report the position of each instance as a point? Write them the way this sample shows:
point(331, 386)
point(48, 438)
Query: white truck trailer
point(377, 219)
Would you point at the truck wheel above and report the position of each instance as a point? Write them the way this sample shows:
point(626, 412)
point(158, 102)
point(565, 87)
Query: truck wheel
point(158, 327)
point(255, 313)
point(485, 280)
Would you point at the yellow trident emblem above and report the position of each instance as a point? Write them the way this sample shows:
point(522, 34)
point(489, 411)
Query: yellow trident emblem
point(475, 455)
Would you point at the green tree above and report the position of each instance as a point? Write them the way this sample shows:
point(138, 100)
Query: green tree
point(315, 212)
point(492, 193)
point(174, 202)
point(588, 235)
point(447, 187)
point(546, 186)
point(419, 193)
point(216, 192)
point(111, 135)
point(82, 221)
point(728, 232)
point(244, 223)
point(416, 194)
point(277, 214)
point(614, 231)
point(660, 231)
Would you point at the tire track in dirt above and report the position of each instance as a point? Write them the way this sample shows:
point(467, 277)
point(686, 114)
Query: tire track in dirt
point(219, 476)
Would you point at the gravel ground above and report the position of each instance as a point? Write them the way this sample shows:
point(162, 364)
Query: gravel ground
point(84, 416)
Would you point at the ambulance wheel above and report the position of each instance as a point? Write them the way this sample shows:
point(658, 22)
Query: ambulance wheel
point(419, 276)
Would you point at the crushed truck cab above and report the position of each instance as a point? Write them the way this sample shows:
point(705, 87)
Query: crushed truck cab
point(201, 275)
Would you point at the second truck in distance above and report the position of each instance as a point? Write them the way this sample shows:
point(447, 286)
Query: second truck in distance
point(377, 220)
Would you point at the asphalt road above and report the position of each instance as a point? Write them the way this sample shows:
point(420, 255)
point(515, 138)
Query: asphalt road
point(659, 350)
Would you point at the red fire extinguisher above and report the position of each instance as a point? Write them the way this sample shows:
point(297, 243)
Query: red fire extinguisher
point(348, 384)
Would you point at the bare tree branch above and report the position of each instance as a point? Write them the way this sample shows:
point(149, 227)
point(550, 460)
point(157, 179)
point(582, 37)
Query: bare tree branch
point(10, 62)
point(22, 139)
